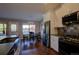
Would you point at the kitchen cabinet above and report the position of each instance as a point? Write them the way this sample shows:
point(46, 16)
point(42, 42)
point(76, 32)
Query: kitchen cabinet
point(54, 42)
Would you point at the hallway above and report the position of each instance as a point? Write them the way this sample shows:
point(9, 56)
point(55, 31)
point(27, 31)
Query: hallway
point(32, 48)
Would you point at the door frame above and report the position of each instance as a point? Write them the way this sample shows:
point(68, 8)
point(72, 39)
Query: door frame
point(48, 22)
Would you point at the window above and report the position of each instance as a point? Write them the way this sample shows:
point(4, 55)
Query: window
point(28, 28)
point(32, 28)
point(2, 29)
point(13, 27)
point(25, 29)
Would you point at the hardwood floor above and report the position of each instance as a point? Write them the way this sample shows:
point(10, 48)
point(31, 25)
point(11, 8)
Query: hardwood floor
point(32, 48)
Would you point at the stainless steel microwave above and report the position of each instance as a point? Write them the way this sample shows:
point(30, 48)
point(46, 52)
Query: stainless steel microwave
point(71, 18)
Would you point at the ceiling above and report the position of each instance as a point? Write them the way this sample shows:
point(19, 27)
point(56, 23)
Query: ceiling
point(27, 11)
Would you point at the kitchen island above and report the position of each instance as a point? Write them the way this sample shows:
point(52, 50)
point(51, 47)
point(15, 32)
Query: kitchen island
point(5, 46)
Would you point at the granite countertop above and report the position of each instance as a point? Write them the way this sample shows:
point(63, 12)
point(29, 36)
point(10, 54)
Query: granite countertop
point(7, 36)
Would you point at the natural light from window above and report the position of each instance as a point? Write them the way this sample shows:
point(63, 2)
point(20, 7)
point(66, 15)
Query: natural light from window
point(13, 27)
point(3, 29)
point(28, 28)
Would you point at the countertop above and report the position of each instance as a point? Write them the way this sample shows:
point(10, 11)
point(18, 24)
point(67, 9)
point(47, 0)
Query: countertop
point(7, 36)
point(5, 47)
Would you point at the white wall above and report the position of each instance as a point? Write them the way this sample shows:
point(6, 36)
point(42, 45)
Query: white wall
point(50, 16)
point(47, 16)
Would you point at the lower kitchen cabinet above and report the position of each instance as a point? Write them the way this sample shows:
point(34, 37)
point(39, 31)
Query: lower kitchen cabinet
point(54, 43)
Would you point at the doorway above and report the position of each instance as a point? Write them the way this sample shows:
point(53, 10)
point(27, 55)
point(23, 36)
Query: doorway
point(47, 34)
